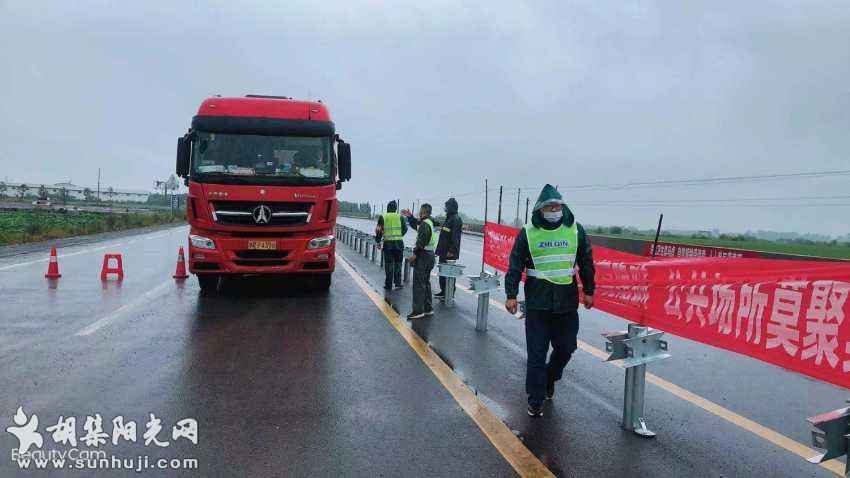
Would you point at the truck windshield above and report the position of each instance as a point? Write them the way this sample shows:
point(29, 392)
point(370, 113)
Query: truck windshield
point(275, 158)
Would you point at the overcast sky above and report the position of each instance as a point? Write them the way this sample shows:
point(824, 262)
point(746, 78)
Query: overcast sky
point(434, 97)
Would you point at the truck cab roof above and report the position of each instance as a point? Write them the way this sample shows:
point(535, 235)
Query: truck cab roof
point(256, 106)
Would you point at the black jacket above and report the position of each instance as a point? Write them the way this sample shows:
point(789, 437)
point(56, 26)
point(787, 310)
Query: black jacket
point(390, 245)
point(448, 246)
point(541, 294)
point(423, 235)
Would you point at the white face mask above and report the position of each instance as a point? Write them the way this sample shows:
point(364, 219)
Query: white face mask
point(553, 216)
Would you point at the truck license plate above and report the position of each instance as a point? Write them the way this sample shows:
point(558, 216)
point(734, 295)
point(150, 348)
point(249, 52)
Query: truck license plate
point(262, 245)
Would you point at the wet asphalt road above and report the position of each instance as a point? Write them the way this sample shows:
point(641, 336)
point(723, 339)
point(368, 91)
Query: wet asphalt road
point(282, 381)
point(287, 382)
point(579, 436)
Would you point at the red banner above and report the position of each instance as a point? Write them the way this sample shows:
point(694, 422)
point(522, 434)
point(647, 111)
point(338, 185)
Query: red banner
point(666, 249)
point(788, 313)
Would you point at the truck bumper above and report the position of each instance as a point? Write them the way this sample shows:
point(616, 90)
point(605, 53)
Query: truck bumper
point(234, 255)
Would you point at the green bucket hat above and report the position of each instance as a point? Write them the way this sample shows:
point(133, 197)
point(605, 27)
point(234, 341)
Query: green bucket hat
point(549, 195)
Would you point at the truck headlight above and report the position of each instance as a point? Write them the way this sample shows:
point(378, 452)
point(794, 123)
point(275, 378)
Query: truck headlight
point(319, 242)
point(201, 242)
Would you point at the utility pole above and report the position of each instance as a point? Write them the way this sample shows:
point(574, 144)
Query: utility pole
point(499, 216)
point(657, 233)
point(98, 184)
point(527, 201)
point(516, 220)
point(486, 205)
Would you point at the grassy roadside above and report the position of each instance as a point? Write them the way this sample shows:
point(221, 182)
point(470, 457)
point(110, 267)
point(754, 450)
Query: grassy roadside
point(22, 226)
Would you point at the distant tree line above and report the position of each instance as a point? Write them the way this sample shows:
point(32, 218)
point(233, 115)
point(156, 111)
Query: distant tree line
point(363, 209)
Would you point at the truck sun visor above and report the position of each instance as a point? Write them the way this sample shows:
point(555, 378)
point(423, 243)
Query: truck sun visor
point(262, 126)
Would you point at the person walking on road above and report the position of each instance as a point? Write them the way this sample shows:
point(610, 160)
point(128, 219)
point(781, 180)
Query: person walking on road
point(391, 229)
point(423, 261)
point(448, 245)
point(548, 249)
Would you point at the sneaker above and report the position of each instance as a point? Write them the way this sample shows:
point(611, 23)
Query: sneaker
point(550, 389)
point(386, 287)
point(535, 411)
point(398, 287)
point(429, 312)
point(440, 295)
point(415, 315)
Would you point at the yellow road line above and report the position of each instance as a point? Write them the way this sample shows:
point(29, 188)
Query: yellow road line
point(510, 447)
point(736, 419)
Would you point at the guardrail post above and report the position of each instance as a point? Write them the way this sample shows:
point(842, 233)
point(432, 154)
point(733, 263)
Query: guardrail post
point(374, 251)
point(406, 269)
point(637, 346)
point(482, 286)
point(451, 271)
point(832, 435)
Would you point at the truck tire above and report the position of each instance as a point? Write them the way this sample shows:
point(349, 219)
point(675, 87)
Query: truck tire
point(322, 281)
point(208, 283)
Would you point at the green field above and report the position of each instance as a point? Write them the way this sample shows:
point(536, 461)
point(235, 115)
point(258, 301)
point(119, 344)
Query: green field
point(834, 251)
point(34, 225)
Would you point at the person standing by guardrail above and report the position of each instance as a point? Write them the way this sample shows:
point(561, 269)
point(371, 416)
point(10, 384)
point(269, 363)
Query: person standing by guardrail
point(391, 229)
point(548, 249)
point(448, 245)
point(423, 261)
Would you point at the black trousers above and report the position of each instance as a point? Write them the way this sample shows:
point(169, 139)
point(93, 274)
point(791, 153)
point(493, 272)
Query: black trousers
point(543, 328)
point(422, 282)
point(393, 260)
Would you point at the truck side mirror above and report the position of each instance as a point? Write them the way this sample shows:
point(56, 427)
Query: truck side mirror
point(343, 154)
point(183, 144)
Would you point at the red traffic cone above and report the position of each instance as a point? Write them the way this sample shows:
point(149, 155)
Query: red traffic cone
point(53, 267)
point(180, 273)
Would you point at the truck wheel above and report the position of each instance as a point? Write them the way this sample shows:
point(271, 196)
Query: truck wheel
point(323, 281)
point(208, 283)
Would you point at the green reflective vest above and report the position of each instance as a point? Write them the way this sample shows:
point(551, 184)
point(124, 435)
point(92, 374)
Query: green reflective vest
point(392, 226)
point(553, 253)
point(432, 245)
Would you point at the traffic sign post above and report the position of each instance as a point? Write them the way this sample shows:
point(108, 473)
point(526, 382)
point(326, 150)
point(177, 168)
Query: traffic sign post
point(636, 347)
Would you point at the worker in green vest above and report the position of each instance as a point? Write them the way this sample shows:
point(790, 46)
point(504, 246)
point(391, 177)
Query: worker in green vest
point(549, 249)
point(391, 230)
point(423, 261)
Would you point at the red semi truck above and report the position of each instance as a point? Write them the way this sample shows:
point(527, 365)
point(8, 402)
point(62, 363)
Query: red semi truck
point(262, 173)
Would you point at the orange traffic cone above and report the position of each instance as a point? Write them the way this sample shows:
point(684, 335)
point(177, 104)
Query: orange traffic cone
point(108, 269)
point(180, 273)
point(53, 267)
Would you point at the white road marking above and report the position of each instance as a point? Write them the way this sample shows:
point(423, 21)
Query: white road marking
point(124, 309)
point(83, 251)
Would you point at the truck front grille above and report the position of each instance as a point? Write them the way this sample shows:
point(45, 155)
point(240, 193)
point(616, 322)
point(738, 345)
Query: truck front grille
point(249, 213)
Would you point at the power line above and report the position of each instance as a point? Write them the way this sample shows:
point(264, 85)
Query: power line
point(708, 181)
point(640, 204)
point(710, 201)
point(680, 182)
